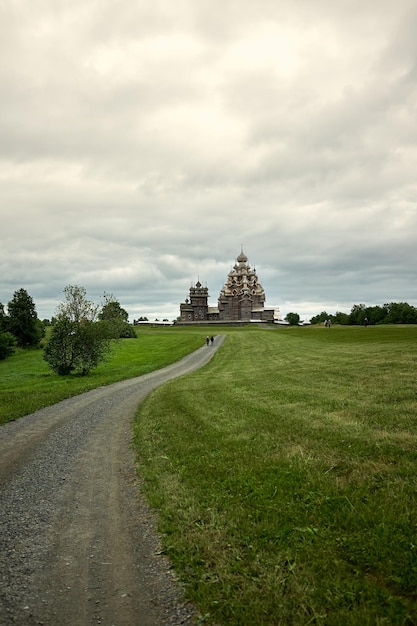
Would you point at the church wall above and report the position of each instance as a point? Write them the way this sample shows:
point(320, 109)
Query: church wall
point(245, 310)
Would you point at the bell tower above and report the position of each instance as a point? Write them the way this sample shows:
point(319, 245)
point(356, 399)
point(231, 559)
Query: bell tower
point(195, 308)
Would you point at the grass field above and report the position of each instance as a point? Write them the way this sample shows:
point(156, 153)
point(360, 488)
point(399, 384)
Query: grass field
point(27, 384)
point(284, 473)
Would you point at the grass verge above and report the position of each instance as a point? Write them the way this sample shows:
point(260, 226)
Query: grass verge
point(284, 473)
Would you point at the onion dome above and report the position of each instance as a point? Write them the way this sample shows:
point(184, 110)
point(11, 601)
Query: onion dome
point(242, 258)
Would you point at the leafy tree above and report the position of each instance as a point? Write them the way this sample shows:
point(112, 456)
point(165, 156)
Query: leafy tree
point(378, 315)
point(60, 352)
point(78, 342)
point(116, 318)
point(112, 310)
point(3, 318)
point(319, 319)
point(358, 314)
point(293, 319)
point(400, 313)
point(127, 332)
point(76, 306)
point(23, 320)
point(92, 343)
point(7, 345)
point(339, 318)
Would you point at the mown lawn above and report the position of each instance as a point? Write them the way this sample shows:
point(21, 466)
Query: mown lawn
point(284, 473)
point(27, 384)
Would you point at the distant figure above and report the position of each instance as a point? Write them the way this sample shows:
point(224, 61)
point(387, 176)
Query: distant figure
point(366, 321)
point(212, 340)
point(207, 340)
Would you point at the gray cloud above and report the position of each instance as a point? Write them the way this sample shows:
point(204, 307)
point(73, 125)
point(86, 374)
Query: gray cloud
point(140, 146)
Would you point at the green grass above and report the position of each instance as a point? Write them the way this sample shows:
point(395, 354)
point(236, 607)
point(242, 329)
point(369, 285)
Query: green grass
point(284, 473)
point(27, 384)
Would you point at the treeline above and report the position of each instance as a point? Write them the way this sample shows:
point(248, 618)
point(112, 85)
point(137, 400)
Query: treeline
point(391, 313)
point(81, 331)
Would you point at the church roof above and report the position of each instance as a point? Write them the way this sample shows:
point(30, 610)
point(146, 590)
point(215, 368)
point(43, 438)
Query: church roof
point(242, 258)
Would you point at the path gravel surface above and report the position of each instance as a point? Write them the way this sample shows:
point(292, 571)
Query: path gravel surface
point(78, 543)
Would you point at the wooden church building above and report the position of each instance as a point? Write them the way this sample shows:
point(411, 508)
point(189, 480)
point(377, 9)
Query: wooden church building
point(241, 299)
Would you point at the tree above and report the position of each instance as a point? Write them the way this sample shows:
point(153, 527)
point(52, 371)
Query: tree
point(400, 313)
point(116, 318)
point(319, 319)
point(60, 351)
point(77, 308)
point(7, 345)
point(292, 318)
point(3, 318)
point(358, 314)
point(23, 320)
point(78, 342)
point(7, 340)
point(112, 310)
point(340, 318)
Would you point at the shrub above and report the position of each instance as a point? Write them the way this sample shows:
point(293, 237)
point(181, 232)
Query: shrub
point(7, 345)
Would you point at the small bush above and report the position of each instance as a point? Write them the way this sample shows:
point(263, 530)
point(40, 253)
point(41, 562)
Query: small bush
point(127, 331)
point(7, 345)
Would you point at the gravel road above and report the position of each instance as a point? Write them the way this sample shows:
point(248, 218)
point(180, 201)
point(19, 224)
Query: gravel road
point(78, 543)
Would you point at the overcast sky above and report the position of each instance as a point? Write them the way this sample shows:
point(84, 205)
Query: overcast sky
point(143, 142)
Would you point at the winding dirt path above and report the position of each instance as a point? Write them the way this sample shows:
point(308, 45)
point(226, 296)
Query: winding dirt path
point(78, 543)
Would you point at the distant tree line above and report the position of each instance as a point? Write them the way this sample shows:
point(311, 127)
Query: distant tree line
point(81, 332)
point(391, 313)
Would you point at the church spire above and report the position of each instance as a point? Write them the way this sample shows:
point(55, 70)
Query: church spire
point(242, 258)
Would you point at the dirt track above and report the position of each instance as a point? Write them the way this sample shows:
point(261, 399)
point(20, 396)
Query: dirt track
point(78, 544)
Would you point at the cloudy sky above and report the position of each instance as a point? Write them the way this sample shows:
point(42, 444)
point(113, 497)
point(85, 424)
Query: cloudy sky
point(142, 143)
